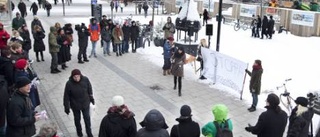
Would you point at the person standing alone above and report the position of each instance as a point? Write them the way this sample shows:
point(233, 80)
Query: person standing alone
point(94, 29)
point(77, 96)
point(255, 83)
point(178, 60)
point(22, 8)
point(54, 48)
point(83, 34)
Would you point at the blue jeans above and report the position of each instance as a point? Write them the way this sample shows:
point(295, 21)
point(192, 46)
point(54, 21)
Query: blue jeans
point(93, 50)
point(3, 131)
point(125, 46)
point(140, 41)
point(118, 48)
point(86, 118)
point(254, 99)
point(106, 47)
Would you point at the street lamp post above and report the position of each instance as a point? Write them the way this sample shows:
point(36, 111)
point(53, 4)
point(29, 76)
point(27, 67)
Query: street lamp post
point(219, 26)
point(64, 14)
point(152, 19)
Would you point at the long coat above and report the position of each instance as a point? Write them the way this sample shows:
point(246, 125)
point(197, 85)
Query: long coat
point(34, 8)
point(177, 65)
point(38, 41)
point(26, 45)
point(20, 116)
point(117, 35)
point(63, 54)
point(169, 30)
point(83, 36)
point(299, 125)
point(185, 128)
point(255, 82)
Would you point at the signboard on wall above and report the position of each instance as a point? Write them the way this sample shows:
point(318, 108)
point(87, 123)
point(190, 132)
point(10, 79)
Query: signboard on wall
point(248, 10)
point(179, 3)
point(302, 18)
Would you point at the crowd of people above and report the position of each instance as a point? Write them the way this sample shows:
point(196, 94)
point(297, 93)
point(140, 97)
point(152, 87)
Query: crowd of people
point(265, 25)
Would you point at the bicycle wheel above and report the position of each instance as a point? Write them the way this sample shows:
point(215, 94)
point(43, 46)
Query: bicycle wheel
point(244, 27)
point(236, 27)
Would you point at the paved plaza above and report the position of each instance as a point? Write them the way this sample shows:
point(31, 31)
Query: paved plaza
point(132, 77)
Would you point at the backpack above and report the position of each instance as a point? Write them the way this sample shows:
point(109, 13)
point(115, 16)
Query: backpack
point(223, 131)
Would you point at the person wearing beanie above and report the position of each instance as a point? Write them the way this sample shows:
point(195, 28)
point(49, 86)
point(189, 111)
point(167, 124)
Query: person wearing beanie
point(134, 36)
point(18, 21)
point(220, 113)
point(153, 125)
point(255, 83)
point(186, 127)
point(77, 96)
point(54, 49)
point(20, 116)
point(22, 70)
point(168, 50)
point(300, 118)
point(178, 61)
point(119, 121)
point(271, 123)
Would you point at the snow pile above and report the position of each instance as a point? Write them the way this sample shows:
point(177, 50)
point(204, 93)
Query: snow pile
point(189, 10)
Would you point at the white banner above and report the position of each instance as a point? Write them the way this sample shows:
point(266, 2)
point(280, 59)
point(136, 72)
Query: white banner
point(224, 69)
point(302, 18)
point(248, 10)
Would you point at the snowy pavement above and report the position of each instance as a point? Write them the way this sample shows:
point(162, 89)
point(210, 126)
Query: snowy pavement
point(285, 56)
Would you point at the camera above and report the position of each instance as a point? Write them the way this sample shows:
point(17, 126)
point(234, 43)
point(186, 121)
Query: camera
point(314, 102)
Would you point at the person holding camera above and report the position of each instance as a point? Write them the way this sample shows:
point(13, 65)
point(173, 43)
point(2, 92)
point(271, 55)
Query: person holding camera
point(255, 83)
point(300, 119)
point(168, 28)
point(83, 37)
point(78, 96)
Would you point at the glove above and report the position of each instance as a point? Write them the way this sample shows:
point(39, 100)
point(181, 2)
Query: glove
point(248, 129)
point(247, 70)
point(92, 100)
point(67, 111)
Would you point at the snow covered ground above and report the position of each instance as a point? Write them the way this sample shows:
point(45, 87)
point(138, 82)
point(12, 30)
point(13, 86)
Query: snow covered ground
point(285, 56)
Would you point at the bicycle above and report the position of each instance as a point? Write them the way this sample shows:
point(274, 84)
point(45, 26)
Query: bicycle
point(239, 24)
point(286, 94)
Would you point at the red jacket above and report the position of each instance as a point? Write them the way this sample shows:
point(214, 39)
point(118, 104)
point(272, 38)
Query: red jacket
point(94, 32)
point(4, 36)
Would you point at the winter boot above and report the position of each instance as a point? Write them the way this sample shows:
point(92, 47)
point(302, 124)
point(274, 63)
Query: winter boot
point(169, 72)
point(175, 87)
point(164, 72)
point(179, 93)
point(252, 109)
point(80, 62)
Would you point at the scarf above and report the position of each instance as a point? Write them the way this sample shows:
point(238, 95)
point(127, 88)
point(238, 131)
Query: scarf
point(123, 111)
point(256, 67)
point(118, 32)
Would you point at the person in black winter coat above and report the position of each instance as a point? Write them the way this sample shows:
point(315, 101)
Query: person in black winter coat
point(83, 36)
point(139, 7)
point(126, 37)
point(145, 8)
point(272, 122)
point(205, 17)
point(20, 116)
point(258, 26)
point(111, 27)
point(35, 22)
point(77, 96)
point(63, 54)
point(255, 83)
point(254, 26)
point(153, 125)
point(270, 27)
point(134, 32)
point(264, 26)
point(119, 121)
point(6, 66)
point(4, 98)
point(22, 8)
point(34, 8)
point(38, 45)
point(106, 35)
point(186, 127)
point(26, 44)
point(48, 7)
point(40, 3)
point(300, 118)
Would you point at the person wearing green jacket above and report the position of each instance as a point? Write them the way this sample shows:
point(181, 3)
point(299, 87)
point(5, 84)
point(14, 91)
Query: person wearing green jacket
point(54, 49)
point(220, 113)
point(18, 21)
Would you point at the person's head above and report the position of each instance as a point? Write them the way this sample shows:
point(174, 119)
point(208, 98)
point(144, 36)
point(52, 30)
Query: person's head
point(272, 101)
point(203, 43)
point(48, 130)
point(220, 112)
point(185, 111)
point(15, 33)
point(104, 17)
point(24, 27)
point(205, 10)
point(107, 27)
point(302, 101)
point(21, 64)
point(252, 15)
point(171, 40)
point(57, 25)
point(257, 63)
point(169, 20)
point(76, 75)
point(18, 15)
point(117, 101)
point(23, 85)
point(6, 52)
point(60, 32)
point(35, 18)
point(154, 120)
point(271, 17)
point(53, 30)
point(94, 20)
point(117, 25)
point(16, 47)
point(133, 23)
point(258, 16)
point(181, 50)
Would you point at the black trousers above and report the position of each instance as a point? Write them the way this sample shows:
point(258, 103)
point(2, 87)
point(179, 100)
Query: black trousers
point(37, 54)
point(175, 79)
point(86, 118)
point(134, 44)
point(82, 53)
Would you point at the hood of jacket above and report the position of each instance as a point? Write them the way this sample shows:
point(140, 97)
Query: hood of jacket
point(154, 120)
point(220, 112)
point(53, 29)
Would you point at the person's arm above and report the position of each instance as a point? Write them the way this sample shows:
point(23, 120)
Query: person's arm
point(133, 128)
point(66, 97)
point(103, 128)
point(248, 72)
point(173, 132)
point(259, 126)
